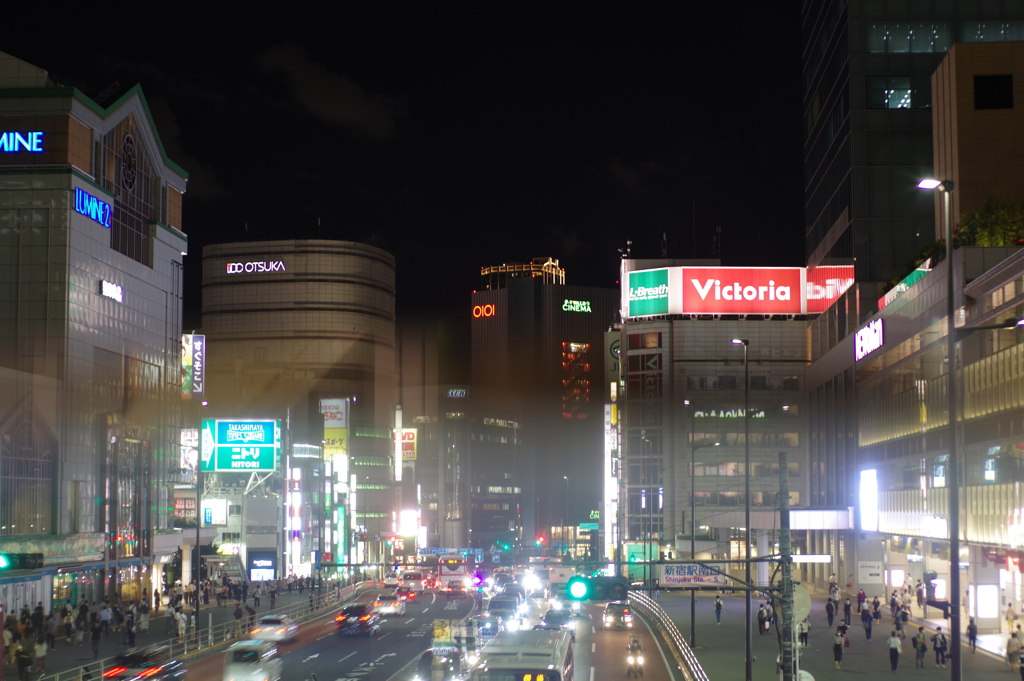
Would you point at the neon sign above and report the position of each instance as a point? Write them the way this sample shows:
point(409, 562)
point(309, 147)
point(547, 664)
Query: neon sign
point(576, 306)
point(92, 207)
point(30, 141)
point(487, 310)
point(868, 339)
point(251, 267)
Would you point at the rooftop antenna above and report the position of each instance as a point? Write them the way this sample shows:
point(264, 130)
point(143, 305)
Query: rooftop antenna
point(624, 252)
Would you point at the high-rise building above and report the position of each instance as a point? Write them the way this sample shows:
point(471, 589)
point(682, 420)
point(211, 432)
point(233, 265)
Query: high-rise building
point(537, 358)
point(91, 248)
point(867, 107)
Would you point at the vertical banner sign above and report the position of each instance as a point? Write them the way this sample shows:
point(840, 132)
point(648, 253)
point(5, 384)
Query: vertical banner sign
point(193, 365)
point(408, 444)
point(335, 411)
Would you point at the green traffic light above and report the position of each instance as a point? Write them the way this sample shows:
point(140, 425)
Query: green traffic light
point(5, 562)
point(578, 590)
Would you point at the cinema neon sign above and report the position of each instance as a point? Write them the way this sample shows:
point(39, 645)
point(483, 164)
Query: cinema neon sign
point(487, 310)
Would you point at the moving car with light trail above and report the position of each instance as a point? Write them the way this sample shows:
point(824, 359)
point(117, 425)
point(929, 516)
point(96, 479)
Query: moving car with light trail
point(275, 628)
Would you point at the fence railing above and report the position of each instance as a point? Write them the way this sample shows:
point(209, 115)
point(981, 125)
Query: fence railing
point(681, 651)
point(210, 637)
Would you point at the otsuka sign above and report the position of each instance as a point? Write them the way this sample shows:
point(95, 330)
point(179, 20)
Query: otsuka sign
point(733, 290)
point(715, 290)
point(255, 267)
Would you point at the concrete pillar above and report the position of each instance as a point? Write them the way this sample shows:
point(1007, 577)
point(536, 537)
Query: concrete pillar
point(186, 564)
point(762, 551)
point(984, 588)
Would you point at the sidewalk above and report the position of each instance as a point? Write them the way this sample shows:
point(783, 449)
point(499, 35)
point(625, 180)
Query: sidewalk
point(719, 647)
point(66, 656)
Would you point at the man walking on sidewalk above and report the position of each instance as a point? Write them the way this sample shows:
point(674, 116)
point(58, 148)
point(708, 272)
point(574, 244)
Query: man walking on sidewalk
point(830, 610)
point(718, 609)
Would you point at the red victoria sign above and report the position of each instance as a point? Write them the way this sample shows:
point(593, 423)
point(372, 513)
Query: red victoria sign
point(743, 290)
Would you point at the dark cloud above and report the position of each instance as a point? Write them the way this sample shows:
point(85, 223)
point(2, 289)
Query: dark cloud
point(203, 182)
point(332, 97)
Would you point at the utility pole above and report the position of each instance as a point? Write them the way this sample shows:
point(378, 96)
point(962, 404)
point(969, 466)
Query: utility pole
point(790, 661)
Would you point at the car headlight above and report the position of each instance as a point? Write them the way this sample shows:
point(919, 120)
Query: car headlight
point(630, 659)
point(640, 659)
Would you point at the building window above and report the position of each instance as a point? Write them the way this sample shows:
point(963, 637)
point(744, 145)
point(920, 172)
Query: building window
point(234, 509)
point(993, 92)
point(898, 92)
point(231, 537)
point(906, 37)
point(575, 380)
point(639, 341)
point(128, 173)
point(988, 31)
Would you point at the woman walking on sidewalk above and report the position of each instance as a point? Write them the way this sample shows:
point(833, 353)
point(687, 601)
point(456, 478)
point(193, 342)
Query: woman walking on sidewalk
point(1013, 651)
point(895, 650)
point(838, 643)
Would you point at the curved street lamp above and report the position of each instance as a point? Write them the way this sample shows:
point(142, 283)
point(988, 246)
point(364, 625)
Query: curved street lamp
point(748, 640)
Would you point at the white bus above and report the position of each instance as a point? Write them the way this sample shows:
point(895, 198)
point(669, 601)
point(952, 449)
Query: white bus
point(538, 655)
point(412, 579)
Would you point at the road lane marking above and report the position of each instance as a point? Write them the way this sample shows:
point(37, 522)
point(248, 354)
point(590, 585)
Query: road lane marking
point(591, 674)
point(411, 619)
point(347, 656)
point(425, 610)
point(384, 636)
point(593, 647)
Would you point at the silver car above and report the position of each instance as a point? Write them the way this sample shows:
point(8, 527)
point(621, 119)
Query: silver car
point(275, 628)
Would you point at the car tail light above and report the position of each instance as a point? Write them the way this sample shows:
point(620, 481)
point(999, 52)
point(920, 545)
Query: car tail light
point(281, 630)
point(395, 603)
point(341, 618)
point(116, 671)
point(256, 630)
point(150, 672)
point(364, 618)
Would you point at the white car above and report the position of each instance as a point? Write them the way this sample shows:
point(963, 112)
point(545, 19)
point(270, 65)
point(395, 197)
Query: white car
point(252, 661)
point(275, 628)
point(391, 580)
point(389, 604)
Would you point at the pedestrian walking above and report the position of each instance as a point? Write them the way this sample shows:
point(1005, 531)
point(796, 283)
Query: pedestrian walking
point(144, 617)
point(920, 647)
point(69, 626)
point(252, 615)
point(762, 617)
point(24, 662)
point(1010, 617)
point(847, 609)
point(129, 630)
point(867, 621)
point(95, 636)
point(803, 629)
point(256, 596)
point(273, 598)
point(718, 608)
point(171, 622)
point(838, 643)
point(182, 622)
point(1013, 651)
point(830, 610)
point(895, 650)
point(238, 619)
point(972, 636)
point(940, 645)
point(156, 601)
point(40, 653)
point(861, 597)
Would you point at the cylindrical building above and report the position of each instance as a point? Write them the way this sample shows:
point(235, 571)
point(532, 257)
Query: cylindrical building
point(291, 323)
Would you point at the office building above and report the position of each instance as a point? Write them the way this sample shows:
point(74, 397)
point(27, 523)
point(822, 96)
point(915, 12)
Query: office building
point(537, 354)
point(867, 105)
point(91, 248)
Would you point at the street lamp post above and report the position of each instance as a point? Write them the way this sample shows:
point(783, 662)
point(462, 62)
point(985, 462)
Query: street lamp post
point(693, 517)
point(946, 187)
point(748, 639)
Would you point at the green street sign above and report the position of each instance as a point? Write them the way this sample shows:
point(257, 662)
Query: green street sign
point(242, 446)
point(588, 526)
point(648, 293)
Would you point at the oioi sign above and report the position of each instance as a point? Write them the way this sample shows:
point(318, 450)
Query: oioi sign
point(241, 446)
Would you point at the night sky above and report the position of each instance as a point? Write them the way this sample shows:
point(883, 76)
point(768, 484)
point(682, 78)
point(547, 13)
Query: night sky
point(456, 139)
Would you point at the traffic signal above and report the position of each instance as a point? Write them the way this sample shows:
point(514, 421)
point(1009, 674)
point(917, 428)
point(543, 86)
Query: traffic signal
point(506, 547)
point(21, 561)
point(578, 588)
point(540, 541)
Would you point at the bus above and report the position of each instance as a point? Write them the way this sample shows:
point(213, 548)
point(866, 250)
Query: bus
point(537, 655)
point(452, 567)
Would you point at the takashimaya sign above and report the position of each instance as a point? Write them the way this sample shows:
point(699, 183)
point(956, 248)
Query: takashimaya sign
point(576, 306)
point(255, 267)
point(868, 339)
point(240, 445)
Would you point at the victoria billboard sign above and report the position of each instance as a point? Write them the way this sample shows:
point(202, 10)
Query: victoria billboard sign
point(731, 290)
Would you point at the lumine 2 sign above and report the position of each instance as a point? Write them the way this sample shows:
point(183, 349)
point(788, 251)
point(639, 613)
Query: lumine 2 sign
point(92, 207)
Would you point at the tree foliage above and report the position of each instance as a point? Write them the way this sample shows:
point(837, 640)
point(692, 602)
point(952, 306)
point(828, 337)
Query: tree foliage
point(996, 223)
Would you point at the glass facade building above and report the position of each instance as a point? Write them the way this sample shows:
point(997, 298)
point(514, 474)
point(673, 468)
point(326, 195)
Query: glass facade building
point(91, 248)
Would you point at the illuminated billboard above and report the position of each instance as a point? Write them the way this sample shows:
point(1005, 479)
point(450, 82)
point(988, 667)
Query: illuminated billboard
point(189, 459)
point(240, 446)
point(193, 365)
point(733, 290)
point(408, 444)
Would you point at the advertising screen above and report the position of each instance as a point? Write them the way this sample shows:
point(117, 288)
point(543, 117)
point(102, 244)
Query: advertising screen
point(241, 446)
